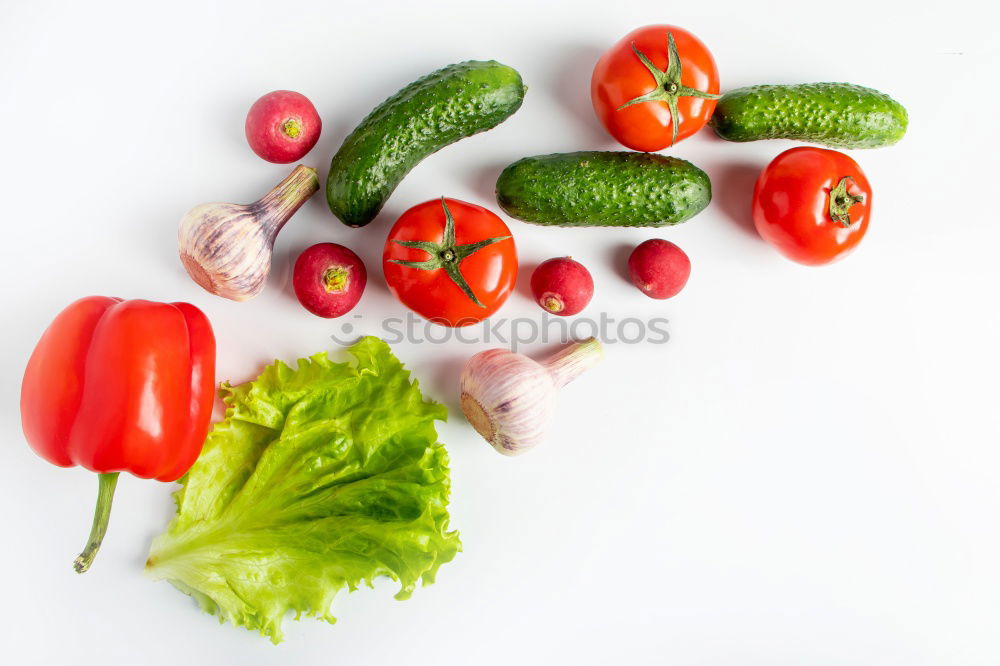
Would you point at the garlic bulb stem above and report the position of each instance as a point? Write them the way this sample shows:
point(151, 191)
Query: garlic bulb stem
point(509, 398)
point(277, 206)
point(571, 361)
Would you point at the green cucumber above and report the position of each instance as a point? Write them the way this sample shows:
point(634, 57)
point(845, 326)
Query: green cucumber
point(603, 189)
point(839, 115)
point(432, 112)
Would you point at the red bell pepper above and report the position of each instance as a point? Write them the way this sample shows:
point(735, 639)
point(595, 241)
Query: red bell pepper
point(120, 386)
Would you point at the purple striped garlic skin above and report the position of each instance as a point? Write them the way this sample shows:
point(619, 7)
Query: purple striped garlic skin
point(509, 399)
point(227, 248)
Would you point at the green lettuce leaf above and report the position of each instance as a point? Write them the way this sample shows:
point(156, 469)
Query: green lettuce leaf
point(319, 478)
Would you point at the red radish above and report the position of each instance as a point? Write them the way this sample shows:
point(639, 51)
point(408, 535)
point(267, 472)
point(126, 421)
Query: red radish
point(329, 279)
point(282, 126)
point(562, 286)
point(659, 268)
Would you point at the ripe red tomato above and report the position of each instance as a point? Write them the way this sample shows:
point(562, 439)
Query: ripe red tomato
point(452, 262)
point(812, 204)
point(654, 87)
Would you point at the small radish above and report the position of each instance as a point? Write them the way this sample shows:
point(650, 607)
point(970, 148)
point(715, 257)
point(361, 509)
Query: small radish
point(329, 279)
point(282, 126)
point(659, 268)
point(562, 286)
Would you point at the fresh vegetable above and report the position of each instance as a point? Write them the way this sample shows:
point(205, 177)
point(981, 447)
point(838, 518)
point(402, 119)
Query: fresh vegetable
point(812, 204)
point(120, 386)
point(840, 115)
point(603, 189)
point(450, 261)
point(509, 398)
point(432, 112)
point(659, 268)
point(321, 477)
point(654, 87)
point(562, 286)
point(226, 248)
point(282, 126)
point(329, 279)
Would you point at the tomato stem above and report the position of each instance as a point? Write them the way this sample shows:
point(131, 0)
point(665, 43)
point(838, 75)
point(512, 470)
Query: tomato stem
point(668, 84)
point(446, 255)
point(841, 201)
point(105, 494)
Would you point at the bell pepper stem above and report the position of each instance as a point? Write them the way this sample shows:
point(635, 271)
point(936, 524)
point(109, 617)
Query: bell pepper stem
point(105, 494)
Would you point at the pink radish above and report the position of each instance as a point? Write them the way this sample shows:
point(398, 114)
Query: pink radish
point(282, 126)
point(329, 279)
point(659, 268)
point(562, 286)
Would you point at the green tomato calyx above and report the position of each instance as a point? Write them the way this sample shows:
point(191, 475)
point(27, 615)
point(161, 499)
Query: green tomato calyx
point(668, 84)
point(841, 201)
point(446, 255)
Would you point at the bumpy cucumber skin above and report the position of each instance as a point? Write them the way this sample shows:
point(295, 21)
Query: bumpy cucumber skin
point(603, 189)
point(839, 115)
point(436, 110)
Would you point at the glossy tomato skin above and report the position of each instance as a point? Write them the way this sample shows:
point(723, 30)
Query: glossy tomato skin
point(620, 76)
point(791, 205)
point(490, 272)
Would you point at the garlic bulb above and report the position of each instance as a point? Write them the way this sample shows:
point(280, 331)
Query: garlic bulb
point(509, 398)
point(226, 248)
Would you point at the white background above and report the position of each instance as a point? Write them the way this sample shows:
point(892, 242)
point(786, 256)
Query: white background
point(806, 473)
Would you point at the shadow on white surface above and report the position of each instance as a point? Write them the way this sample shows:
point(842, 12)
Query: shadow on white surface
point(732, 192)
point(484, 183)
point(571, 88)
point(619, 253)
